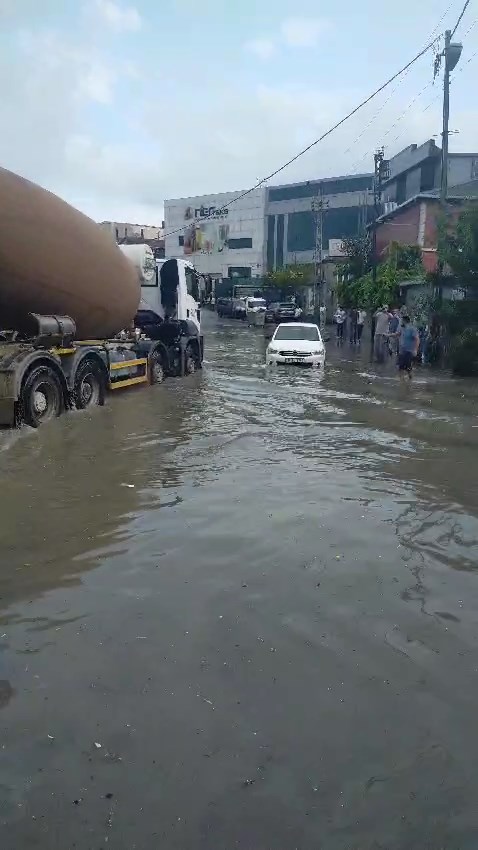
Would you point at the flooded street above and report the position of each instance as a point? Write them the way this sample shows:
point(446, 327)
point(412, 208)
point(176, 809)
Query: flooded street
point(240, 610)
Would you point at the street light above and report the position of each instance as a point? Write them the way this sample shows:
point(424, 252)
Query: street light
point(451, 54)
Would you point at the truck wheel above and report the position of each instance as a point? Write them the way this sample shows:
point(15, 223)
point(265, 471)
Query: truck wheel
point(41, 396)
point(190, 361)
point(88, 390)
point(156, 368)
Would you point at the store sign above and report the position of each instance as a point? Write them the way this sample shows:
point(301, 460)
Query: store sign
point(203, 212)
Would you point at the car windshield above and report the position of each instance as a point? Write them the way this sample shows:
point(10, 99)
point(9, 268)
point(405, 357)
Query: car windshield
point(257, 302)
point(287, 305)
point(307, 332)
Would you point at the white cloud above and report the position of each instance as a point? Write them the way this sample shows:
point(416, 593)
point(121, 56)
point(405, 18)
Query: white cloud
point(293, 33)
point(218, 143)
point(261, 47)
point(302, 32)
point(119, 18)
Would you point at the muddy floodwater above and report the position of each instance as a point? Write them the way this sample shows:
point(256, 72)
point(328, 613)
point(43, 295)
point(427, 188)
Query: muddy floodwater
point(241, 611)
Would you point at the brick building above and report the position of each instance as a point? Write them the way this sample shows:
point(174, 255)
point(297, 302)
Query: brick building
point(415, 222)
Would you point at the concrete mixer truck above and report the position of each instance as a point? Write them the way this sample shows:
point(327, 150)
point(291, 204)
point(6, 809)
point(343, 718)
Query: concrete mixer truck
point(81, 316)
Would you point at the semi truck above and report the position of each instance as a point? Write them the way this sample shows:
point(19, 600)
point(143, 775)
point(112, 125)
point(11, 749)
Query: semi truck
point(82, 316)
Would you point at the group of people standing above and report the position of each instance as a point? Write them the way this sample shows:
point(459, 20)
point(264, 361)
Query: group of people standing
point(351, 321)
point(393, 334)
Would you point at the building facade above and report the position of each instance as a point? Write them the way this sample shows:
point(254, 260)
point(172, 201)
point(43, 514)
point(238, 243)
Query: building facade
point(418, 169)
point(222, 241)
point(293, 219)
point(124, 233)
point(416, 222)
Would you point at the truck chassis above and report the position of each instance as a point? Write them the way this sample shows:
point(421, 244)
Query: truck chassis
point(43, 376)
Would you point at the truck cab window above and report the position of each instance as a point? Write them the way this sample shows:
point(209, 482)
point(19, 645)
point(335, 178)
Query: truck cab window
point(192, 283)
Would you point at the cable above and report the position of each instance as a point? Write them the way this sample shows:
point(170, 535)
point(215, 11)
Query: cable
point(434, 99)
point(388, 99)
point(459, 19)
point(317, 141)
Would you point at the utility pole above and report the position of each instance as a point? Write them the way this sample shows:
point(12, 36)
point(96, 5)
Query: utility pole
point(451, 55)
point(318, 206)
point(381, 172)
point(446, 118)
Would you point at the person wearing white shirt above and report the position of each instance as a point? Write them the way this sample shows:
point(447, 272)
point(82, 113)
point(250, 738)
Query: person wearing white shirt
point(340, 316)
point(361, 318)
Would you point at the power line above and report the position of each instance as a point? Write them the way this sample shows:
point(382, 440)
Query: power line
point(316, 141)
point(459, 19)
point(434, 99)
point(395, 88)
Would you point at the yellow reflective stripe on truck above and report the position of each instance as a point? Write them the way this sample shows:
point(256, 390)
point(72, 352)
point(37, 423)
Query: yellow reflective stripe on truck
point(125, 364)
point(128, 381)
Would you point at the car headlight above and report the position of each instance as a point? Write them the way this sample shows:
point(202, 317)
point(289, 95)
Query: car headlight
point(319, 351)
point(272, 350)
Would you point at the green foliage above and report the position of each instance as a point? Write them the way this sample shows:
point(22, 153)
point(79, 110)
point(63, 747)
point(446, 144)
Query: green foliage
point(403, 263)
point(464, 353)
point(359, 256)
point(291, 277)
point(458, 246)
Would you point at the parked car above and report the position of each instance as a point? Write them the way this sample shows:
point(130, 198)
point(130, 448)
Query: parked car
point(285, 311)
point(297, 344)
point(231, 308)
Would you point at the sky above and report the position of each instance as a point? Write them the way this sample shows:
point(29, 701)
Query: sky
point(116, 105)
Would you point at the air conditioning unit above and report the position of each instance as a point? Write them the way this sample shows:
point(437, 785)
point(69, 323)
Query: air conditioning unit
point(389, 206)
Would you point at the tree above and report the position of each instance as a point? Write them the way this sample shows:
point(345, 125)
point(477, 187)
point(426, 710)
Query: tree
point(403, 263)
point(290, 277)
point(458, 247)
point(358, 250)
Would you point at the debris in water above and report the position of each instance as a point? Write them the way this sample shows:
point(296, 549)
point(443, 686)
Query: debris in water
point(51, 737)
point(97, 745)
point(128, 485)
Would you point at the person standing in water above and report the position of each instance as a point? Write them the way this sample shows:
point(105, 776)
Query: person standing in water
point(361, 317)
point(408, 341)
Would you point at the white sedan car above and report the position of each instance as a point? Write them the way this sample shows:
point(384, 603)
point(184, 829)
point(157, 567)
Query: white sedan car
point(297, 343)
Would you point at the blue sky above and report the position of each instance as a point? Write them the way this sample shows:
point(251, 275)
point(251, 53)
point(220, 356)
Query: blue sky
point(117, 105)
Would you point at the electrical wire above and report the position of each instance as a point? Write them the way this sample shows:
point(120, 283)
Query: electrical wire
point(437, 97)
point(316, 141)
point(459, 19)
point(388, 99)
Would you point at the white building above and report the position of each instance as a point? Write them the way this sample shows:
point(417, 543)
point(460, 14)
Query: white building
point(221, 240)
point(121, 230)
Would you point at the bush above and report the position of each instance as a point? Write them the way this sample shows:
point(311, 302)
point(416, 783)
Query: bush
point(464, 353)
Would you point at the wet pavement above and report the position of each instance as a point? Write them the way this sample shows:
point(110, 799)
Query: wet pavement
point(240, 610)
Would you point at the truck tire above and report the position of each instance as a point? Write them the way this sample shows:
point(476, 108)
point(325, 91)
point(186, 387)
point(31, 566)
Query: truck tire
point(89, 385)
point(41, 396)
point(156, 368)
point(190, 360)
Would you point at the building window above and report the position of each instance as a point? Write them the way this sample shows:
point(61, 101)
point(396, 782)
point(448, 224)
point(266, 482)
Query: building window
point(401, 189)
point(337, 223)
point(271, 224)
point(280, 242)
point(181, 241)
point(312, 189)
point(142, 233)
point(427, 176)
point(239, 271)
point(474, 169)
point(233, 244)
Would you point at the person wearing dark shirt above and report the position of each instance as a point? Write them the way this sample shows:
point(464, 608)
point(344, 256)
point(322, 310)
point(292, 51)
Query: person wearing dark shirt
point(409, 341)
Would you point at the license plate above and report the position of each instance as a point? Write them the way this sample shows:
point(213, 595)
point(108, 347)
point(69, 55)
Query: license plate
point(294, 360)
